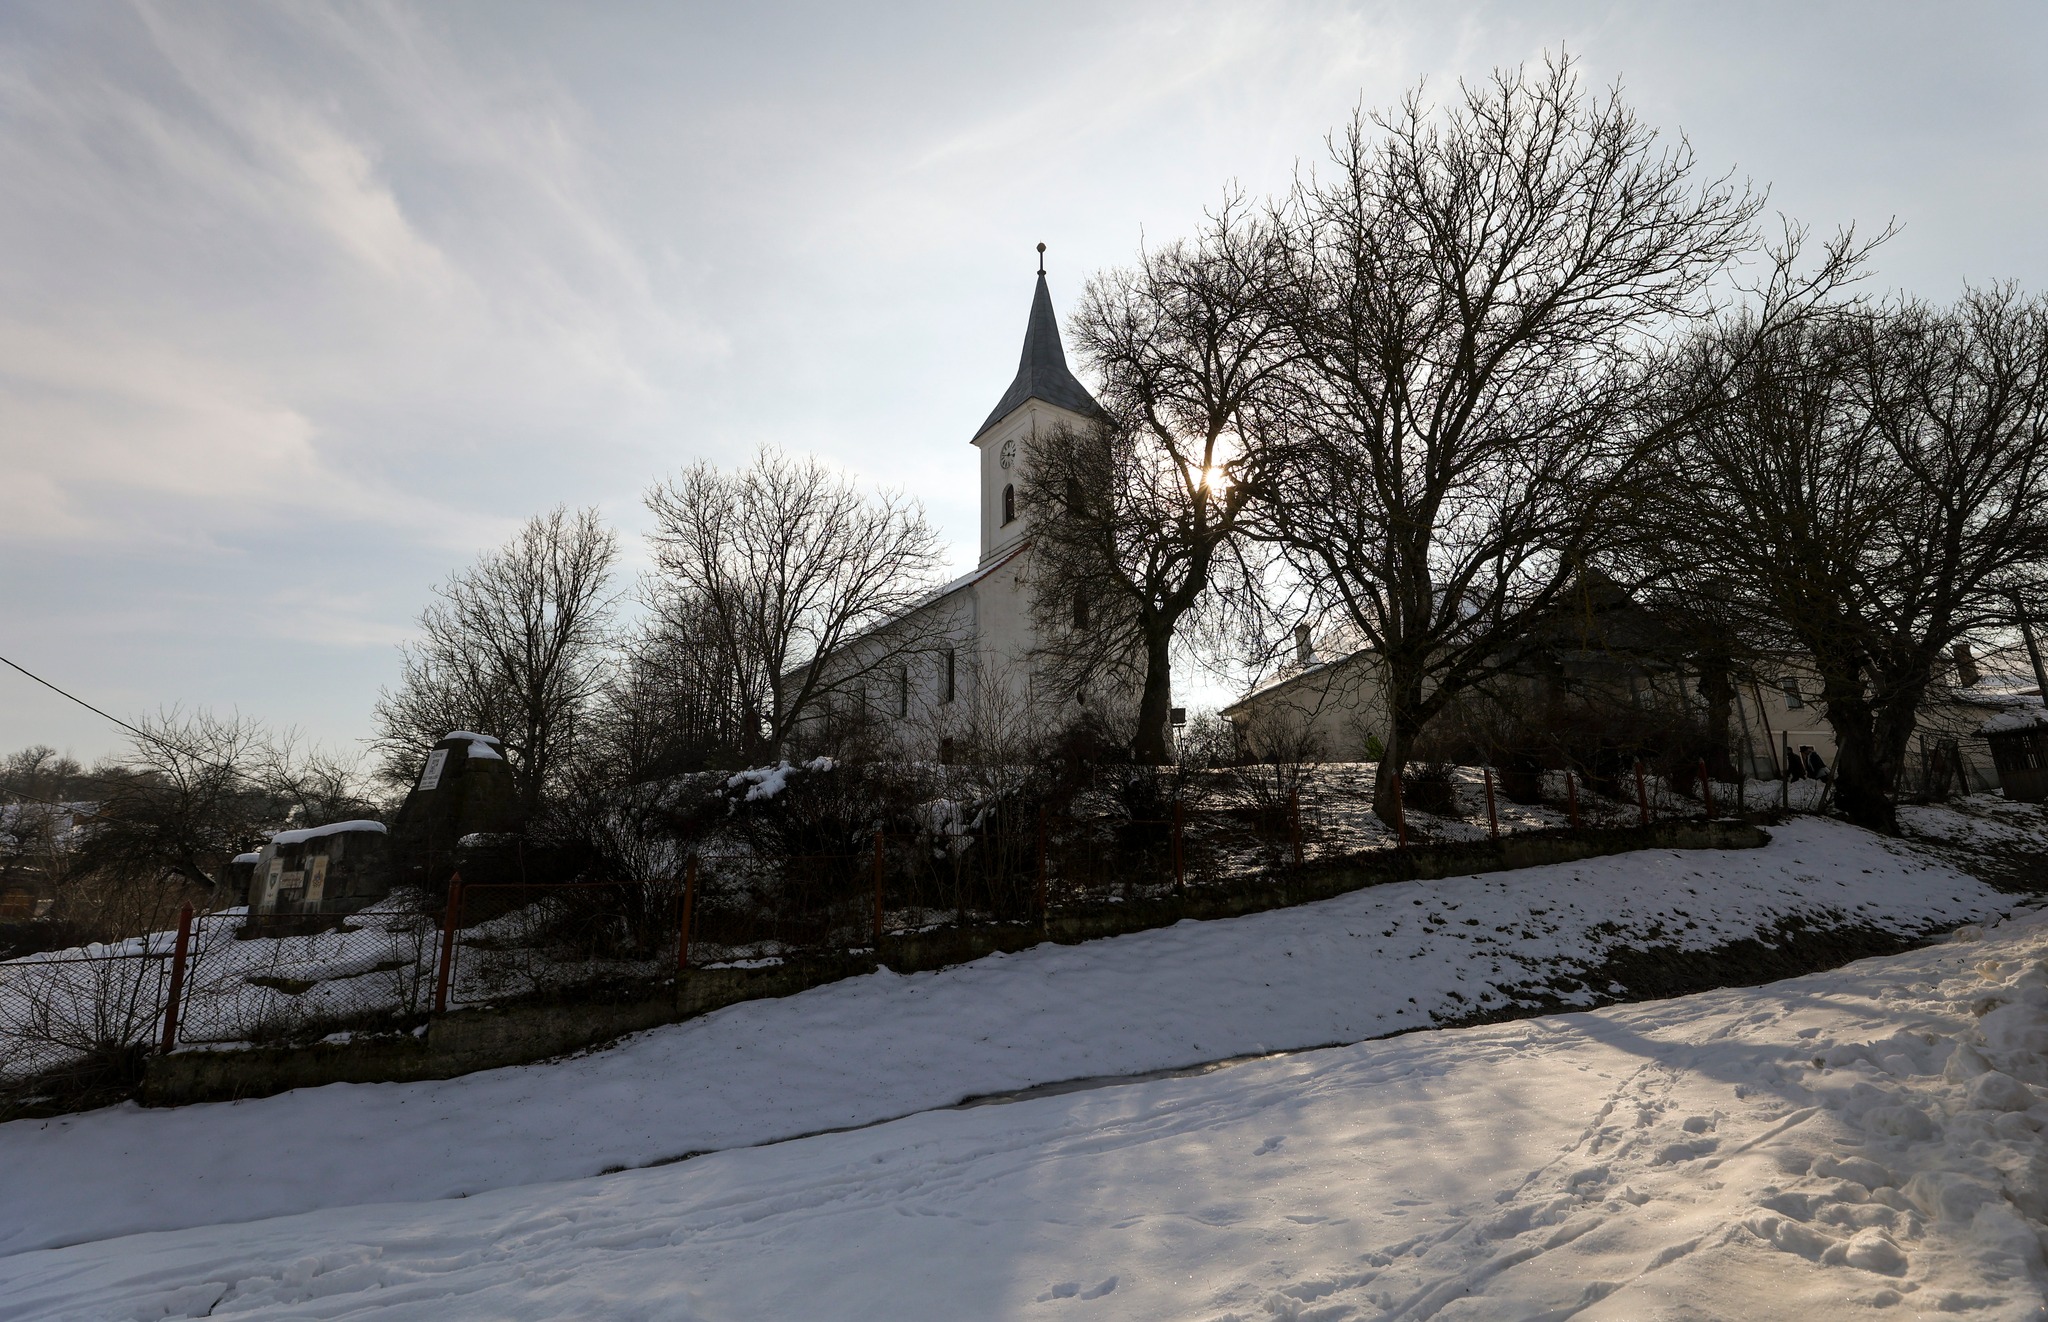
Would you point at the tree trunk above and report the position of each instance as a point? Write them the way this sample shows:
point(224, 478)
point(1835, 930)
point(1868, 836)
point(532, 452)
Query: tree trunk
point(1870, 745)
point(1404, 722)
point(1155, 706)
point(1862, 783)
point(1717, 689)
point(1862, 787)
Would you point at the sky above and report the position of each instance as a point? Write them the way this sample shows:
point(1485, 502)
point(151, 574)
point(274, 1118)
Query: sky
point(305, 305)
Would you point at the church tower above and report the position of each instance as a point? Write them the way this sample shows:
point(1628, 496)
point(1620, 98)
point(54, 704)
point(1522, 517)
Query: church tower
point(1041, 396)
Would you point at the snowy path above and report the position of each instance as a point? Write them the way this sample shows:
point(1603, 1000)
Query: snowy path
point(883, 1046)
point(1819, 1148)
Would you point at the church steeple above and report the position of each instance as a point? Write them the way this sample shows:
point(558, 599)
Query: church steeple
point(1042, 368)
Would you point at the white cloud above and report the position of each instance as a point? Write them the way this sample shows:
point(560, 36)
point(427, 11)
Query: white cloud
point(306, 304)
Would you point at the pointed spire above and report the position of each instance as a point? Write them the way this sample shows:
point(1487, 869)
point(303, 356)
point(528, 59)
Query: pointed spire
point(1042, 371)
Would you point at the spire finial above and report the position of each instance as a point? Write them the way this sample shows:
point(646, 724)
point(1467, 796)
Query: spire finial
point(1041, 259)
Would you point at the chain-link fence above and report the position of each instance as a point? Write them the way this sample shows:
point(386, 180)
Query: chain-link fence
point(513, 941)
point(74, 1020)
point(227, 979)
point(267, 984)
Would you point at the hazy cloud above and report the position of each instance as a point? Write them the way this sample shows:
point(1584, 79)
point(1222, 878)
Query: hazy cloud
point(306, 304)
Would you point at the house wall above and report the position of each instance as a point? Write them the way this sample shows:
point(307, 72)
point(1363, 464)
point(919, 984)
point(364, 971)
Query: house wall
point(1337, 710)
point(1945, 715)
point(1341, 707)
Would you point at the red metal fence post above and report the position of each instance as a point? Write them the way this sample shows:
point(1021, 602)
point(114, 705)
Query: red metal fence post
point(1706, 790)
point(1294, 821)
point(177, 988)
point(1179, 869)
point(448, 926)
point(878, 894)
point(689, 905)
point(1492, 817)
point(1642, 793)
point(1400, 815)
point(1571, 794)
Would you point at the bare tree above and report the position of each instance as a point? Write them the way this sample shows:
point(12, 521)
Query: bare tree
point(512, 647)
point(1473, 297)
point(186, 799)
point(673, 704)
point(784, 566)
point(1137, 519)
point(1868, 486)
point(40, 774)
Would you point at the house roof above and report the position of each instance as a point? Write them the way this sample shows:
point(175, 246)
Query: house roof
point(1042, 371)
point(930, 599)
point(1292, 676)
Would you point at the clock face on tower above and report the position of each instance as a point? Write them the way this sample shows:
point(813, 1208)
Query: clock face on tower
point(1009, 454)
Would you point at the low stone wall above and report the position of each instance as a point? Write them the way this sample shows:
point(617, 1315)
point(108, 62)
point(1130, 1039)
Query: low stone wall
point(468, 1040)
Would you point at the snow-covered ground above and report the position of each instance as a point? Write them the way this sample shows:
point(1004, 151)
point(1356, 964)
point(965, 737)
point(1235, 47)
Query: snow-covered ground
point(1855, 1142)
point(871, 1048)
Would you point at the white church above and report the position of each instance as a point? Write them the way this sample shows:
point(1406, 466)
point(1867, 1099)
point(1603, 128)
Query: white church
point(973, 661)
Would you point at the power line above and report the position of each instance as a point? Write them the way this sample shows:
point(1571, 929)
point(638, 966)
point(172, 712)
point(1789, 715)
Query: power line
point(145, 735)
point(88, 706)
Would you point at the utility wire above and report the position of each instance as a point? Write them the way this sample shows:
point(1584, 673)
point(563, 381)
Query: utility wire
point(158, 740)
point(88, 706)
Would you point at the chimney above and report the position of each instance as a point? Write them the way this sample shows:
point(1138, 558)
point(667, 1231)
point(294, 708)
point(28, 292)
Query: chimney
point(1966, 665)
point(1304, 646)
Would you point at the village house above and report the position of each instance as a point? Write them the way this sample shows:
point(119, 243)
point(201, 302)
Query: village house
point(1603, 646)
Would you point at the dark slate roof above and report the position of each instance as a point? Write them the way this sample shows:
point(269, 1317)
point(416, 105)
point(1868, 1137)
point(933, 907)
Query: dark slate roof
point(1042, 369)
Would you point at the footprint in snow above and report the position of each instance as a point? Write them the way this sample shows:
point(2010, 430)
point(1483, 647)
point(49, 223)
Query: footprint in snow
point(1270, 1145)
point(1073, 1290)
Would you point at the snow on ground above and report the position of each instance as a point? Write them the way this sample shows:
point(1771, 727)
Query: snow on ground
point(1978, 820)
point(870, 1048)
point(1860, 1142)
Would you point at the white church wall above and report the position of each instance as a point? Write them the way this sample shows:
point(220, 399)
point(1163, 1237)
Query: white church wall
point(985, 622)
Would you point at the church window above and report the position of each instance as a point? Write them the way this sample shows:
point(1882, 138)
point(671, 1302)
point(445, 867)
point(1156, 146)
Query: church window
point(1009, 504)
point(1077, 499)
point(1080, 608)
point(952, 674)
point(902, 691)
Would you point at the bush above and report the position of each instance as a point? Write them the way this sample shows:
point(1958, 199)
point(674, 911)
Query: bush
point(1431, 787)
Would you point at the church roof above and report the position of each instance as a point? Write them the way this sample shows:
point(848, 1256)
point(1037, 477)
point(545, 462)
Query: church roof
point(1042, 369)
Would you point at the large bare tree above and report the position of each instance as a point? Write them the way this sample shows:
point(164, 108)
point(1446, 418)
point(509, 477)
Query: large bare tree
point(513, 646)
point(783, 566)
point(1136, 519)
point(673, 703)
point(1474, 296)
point(1867, 486)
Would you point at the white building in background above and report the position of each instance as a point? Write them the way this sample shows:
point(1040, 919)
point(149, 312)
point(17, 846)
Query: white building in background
point(975, 661)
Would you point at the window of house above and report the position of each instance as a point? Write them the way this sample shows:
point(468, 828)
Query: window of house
point(1080, 609)
point(1792, 699)
point(952, 674)
point(1009, 504)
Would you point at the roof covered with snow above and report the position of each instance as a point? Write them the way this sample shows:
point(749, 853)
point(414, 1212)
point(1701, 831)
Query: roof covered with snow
point(2016, 717)
point(301, 836)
